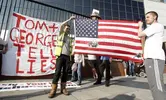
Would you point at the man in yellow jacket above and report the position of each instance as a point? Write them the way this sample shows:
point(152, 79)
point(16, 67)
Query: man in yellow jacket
point(63, 51)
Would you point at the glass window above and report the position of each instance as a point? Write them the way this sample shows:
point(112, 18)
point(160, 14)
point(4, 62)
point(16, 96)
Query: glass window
point(70, 7)
point(128, 2)
point(115, 1)
point(142, 17)
point(134, 3)
point(86, 3)
point(59, 4)
point(141, 11)
point(107, 5)
point(115, 18)
point(129, 16)
point(78, 9)
point(102, 16)
point(78, 2)
point(95, 4)
point(121, 2)
point(121, 8)
point(86, 11)
point(135, 10)
point(101, 12)
point(70, 2)
point(109, 1)
point(122, 15)
point(114, 7)
point(108, 13)
point(115, 14)
point(140, 5)
point(136, 16)
point(128, 9)
point(108, 17)
point(101, 4)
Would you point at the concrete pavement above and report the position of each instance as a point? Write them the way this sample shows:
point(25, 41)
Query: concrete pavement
point(121, 88)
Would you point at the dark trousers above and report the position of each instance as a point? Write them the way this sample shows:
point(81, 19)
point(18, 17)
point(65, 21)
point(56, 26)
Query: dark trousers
point(94, 64)
point(105, 64)
point(62, 61)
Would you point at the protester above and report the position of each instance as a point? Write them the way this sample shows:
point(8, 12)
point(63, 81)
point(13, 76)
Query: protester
point(131, 68)
point(93, 59)
point(125, 68)
point(63, 52)
point(94, 64)
point(154, 54)
point(76, 68)
point(3, 51)
point(105, 65)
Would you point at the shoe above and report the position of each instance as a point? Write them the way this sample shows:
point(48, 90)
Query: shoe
point(126, 75)
point(73, 80)
point(53, 91)
point(97, 83)
point(63, 89)
point(107, 83)
point(78, 83)
point(111, 76)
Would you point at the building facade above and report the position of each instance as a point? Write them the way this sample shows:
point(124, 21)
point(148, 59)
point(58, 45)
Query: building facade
point(60, 10)
point(109, 9)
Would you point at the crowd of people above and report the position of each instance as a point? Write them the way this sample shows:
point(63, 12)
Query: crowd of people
point(154, 58)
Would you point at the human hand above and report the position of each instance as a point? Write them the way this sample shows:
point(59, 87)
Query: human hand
point(110, 59)
point(140, 23)
point(72, 17)
point(95, 76)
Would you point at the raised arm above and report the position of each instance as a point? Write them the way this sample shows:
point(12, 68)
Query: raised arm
point(62, 25)
point(140, 30)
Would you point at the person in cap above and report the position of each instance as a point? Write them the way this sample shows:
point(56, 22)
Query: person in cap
point(93, 60)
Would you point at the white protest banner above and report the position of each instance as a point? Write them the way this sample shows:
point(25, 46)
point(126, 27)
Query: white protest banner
point(31, 47)
point(32, 86)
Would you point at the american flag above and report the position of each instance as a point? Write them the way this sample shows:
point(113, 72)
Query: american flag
point(117, 39)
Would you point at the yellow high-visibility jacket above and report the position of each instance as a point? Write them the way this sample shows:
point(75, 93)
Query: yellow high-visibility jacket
point(59, 45)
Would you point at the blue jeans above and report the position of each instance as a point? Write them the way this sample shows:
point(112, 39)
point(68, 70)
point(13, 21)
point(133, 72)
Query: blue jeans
point(131, 69)
point(77, 73)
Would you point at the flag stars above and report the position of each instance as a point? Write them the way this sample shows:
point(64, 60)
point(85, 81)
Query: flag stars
point(86, 28)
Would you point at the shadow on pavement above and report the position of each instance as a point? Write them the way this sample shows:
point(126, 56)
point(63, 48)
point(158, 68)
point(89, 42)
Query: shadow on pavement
point(127, 82)
point(32, 94)
point(121, 97)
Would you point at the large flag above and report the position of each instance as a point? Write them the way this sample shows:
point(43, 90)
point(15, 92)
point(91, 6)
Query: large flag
point(117, 39)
